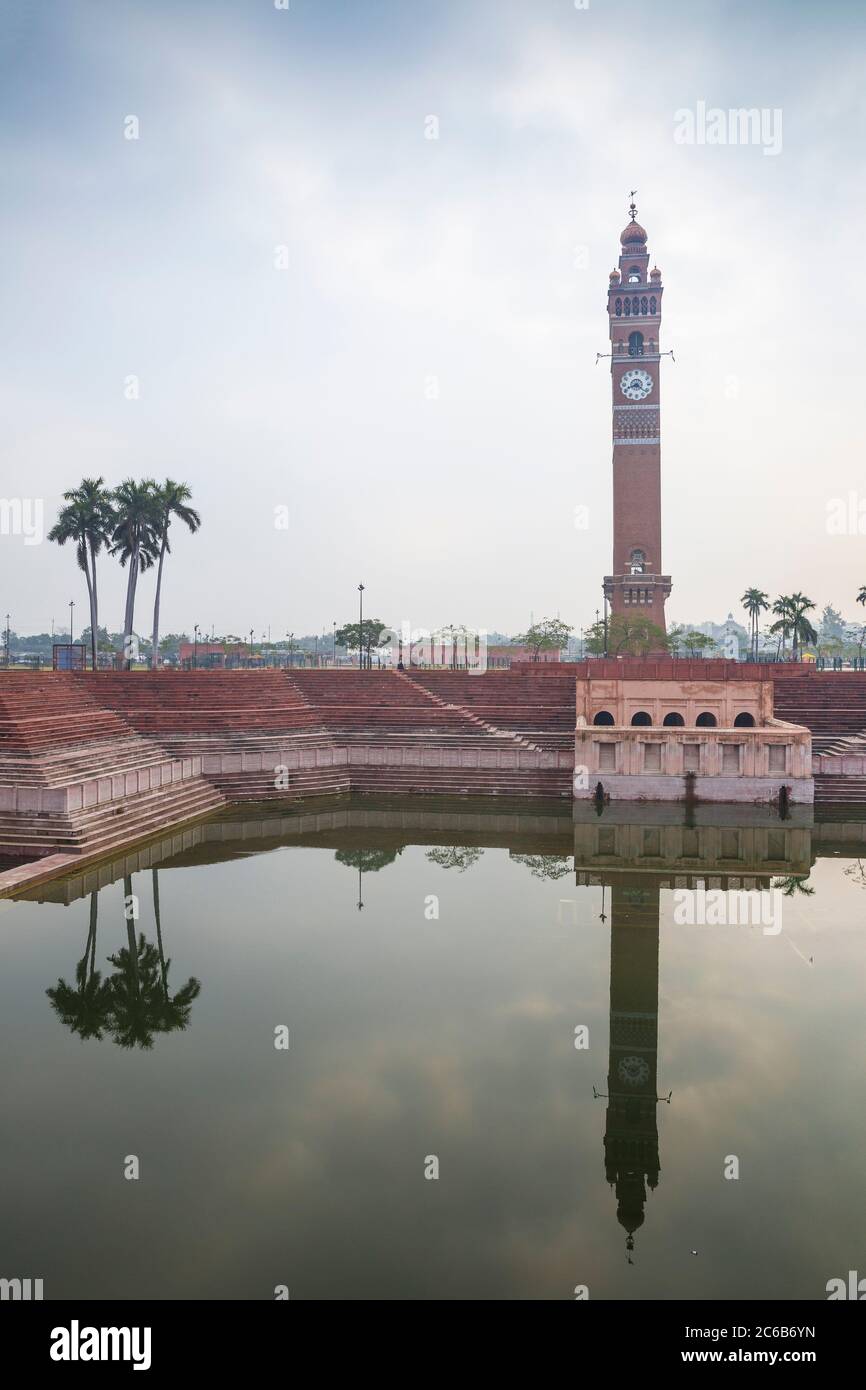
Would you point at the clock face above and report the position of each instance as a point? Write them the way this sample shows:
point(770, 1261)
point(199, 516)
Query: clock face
point(634, 1071)
point(636, 384)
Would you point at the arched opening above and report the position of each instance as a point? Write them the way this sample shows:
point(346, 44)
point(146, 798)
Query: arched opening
point(643, 304)
point(744, 721)
point(618, 307)
point(604, 717)
point(652, 305)
point(633, 275)
point(637, 562)
point(673, 720)
point(635, 345)
point(706, 720)
point(641, 718)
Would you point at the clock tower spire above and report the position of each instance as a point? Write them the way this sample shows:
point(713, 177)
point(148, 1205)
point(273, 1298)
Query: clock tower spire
point(634, 307)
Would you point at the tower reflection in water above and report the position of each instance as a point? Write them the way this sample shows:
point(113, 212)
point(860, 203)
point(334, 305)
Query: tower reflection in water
point(634, 859)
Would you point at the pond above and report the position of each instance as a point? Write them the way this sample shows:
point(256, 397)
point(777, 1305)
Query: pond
point(408, 1049)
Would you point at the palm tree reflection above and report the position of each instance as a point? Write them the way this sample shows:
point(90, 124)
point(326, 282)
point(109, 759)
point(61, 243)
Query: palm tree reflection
point(135, 1003)
point(85, 1009)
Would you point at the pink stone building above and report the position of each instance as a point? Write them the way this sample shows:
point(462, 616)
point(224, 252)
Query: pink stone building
point(668, 740)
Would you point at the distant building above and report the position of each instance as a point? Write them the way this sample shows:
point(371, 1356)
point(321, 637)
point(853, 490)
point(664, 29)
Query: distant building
point(500, 657)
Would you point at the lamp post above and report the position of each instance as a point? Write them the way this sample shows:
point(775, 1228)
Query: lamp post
point(335, 643)
point(251, 645)
point(291, 637)
point(195, 647)
point(360, 626)
point(7, 639)
point(71, 616)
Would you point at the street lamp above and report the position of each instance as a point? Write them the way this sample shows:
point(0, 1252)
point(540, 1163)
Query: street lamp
point(71, 616)
point(360, 626)
point(195, 647)
point(252, 630)
point(335, 643)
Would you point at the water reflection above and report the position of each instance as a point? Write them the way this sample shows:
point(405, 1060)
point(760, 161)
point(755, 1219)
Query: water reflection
point(135, 1002)
point(631, 853)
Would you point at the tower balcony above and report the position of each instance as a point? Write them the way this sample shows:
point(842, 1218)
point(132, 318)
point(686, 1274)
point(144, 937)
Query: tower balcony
point(641, 592)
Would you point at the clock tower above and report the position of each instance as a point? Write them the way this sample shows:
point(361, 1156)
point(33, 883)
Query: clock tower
point(634, 307)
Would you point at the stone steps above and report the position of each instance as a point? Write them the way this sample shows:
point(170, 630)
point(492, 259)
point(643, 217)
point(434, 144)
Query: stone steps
point(104, 828)
point(840, 791)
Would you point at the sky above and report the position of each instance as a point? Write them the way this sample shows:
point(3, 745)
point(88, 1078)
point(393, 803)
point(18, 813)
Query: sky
point(371, 353)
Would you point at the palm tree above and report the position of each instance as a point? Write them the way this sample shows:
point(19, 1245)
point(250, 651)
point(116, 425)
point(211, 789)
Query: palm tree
point(802, 629)
point(135, 540)
point(171, 501)
point(861, 598)
point(755, 602)
point(785, 617)
point(88, 520)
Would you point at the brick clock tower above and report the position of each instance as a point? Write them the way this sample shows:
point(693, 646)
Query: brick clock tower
point(634, 307)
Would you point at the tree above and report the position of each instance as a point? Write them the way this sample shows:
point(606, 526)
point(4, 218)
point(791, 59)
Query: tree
point(634, 634)
point(832, 622)
point(549, 635)
point(134, 540)
point(695, 642)
point(371, 634)
point(861, 598)
point(755, 602)
point(784, 620)
point(88, 520)
point(172, 500)
point(801, 628)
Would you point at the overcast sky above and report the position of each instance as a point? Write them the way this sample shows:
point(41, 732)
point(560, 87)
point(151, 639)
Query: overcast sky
point(474, 266)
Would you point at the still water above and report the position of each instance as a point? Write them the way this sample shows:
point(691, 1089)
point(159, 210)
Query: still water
point(614, 1098)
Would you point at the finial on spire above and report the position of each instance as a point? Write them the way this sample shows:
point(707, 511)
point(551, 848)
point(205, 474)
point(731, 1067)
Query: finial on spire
point(632, 208)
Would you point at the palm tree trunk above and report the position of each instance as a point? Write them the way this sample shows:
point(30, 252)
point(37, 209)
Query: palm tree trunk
point(130, 604)
point(94, 610)
point(154, 657)
point(86, 568)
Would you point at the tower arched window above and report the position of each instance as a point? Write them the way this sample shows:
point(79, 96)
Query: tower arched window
point(637, 562)
point(643, 305)
point(635, 344)
point(653, 304)
point(634, 275)
point(618, 307)
point(635, 305)
point(627, 307)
